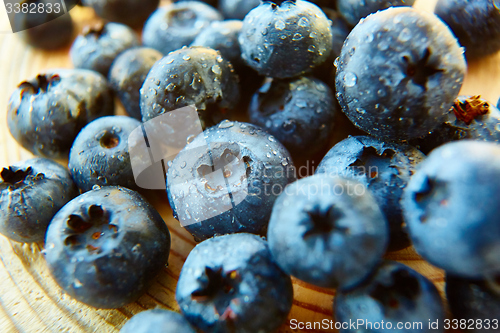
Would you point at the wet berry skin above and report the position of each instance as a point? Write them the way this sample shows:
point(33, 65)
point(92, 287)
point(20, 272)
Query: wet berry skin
point(127, 75)
point(31, 193)
point(479, 123)
point(157, 320)
point(98, 46)
point(355, 10)
point(130, 12)
point(398, 74)
point(100, 154)
point(42, 29)
point(394, 294)
point(297, 28)
point(196, 76)
point(171, 27)
point(222, 36)
point(237, 9)
point(227, 179)
point(105, 247)
point(384, 168)
point(231, 284)
point(328, 231)
point(475, 23)
point(46, 112)
point(451, 208)
point(298, 112)
point(474, 300)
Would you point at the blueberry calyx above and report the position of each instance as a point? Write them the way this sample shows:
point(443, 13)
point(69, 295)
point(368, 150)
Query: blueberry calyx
point(276, 3)
point(96, 29)
point(470, 109)
point(13, 176)
point(219, 287)
point(322, 223)
point(109, 140)
point(91, 230)
point(402, 285)
point(420, 71)
point(42, 84)
point(369, 156)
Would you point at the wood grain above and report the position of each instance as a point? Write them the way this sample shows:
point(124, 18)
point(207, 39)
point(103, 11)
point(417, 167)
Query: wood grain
point(30, 300)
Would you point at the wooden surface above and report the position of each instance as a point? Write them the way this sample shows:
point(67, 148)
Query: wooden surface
point(30, 301)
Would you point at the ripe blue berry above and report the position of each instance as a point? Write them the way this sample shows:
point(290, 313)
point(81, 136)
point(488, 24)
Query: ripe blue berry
point(399, 72)
point(231, 284)
point(237, 9)
point(46, 113)
point(328, 231)
point(275, 30)
point(355, 10)
point(100, 154)
point(105, 247)
point(451, 210)
point(130, 12)
point(32, 192)
point(157, 320)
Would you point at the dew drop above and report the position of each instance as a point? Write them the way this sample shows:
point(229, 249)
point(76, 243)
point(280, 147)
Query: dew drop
point(303, 22)
point(350, 79)
point(279, 25)
point(216, 69)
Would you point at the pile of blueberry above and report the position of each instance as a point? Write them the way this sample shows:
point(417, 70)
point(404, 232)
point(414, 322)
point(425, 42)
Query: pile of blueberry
point(420, 166)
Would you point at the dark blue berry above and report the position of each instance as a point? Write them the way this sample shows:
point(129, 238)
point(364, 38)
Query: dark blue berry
point(231, 284)
point(471, 117)
point(46, 113)
point(284, 39)
point(98, 46)
point(223, 37)
point(298, 112)
point(237, 9)
point(127, 74)
point(451, 208)
point(227, 179)
point(100, 154)
point(384, 168)
point(130, 12)
point(41, 28)
point(355, 10)
point(157, 320)
point(176, 25)
point(397, 297)
point(476, 301)
point(190, 76)
point(212, 3)
point(399, 72)
point(328, 231)
point(475, 23)
point(32, 192)
point(106, 247)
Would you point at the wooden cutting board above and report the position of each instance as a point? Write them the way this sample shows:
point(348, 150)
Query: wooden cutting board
point(30, 300)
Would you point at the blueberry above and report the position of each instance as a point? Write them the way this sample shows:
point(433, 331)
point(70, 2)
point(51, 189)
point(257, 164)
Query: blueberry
point(99, 45)
point(131, 12)
point(275, 30)
point(231, 284)
point(355, 10)
point(451, 208)
point(328, 231)
point(399, 72)
point(471, 117)
point(42, 29)
point(190, 76)
point(396, 297)
point(384, 168)
point(105, 247)
point(127, 74)
point(227, 179)
point(176, 25)
point(298, 112)
point(475, 23)
point(237, 9)
point(32, 192)
point(222, 36)
point(157, 320)
point(477, 301)
point(100, 154)
point(212, 3)
point(46, 113)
